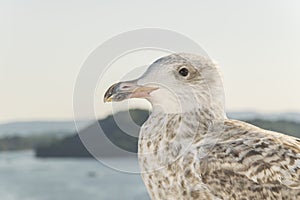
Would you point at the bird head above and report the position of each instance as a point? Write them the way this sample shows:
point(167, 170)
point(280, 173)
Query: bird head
point(176, 83)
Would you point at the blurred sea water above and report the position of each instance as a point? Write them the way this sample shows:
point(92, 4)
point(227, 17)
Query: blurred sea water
point(24, 177)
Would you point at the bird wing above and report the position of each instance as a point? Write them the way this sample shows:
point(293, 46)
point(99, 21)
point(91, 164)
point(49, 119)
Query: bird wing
point(247, 159)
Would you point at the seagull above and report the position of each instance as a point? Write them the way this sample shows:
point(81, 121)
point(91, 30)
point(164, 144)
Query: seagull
point(189, 149)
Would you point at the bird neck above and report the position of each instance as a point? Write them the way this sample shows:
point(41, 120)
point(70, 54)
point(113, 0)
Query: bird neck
point(185, 124)
point(165, 137)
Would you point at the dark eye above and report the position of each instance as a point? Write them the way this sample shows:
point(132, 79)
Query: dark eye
point(183, 71)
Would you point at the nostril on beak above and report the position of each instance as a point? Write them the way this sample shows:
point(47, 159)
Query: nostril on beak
point(126, 85)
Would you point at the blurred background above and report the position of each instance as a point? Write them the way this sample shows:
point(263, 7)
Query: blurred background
point(44, 44)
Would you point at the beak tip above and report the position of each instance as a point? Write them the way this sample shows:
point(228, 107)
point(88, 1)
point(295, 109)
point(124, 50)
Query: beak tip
point(109, 93)
point(107, 99)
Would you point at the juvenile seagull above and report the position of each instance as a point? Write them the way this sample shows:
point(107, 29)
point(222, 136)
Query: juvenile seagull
point(189, 149)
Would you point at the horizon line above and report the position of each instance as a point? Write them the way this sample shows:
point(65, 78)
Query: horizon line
point(51, 119)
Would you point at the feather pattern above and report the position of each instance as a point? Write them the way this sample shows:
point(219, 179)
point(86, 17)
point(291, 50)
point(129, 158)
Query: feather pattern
point(226, 159)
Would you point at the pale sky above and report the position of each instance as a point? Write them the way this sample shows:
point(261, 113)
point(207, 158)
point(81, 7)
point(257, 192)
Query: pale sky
point(44, 44)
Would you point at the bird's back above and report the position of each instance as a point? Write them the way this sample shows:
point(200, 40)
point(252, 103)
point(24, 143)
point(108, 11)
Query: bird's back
point(251, 163)
point(240, 162)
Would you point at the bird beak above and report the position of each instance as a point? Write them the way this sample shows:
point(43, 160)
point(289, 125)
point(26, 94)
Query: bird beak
point(126, 90)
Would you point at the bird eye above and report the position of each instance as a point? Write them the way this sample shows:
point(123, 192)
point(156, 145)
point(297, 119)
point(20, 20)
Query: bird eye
point(183, 71)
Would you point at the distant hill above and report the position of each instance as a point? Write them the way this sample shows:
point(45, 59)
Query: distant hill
point(73, 147)
point(281, 126)
point(288, 116)
point(57, 128)
point(14, 143)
